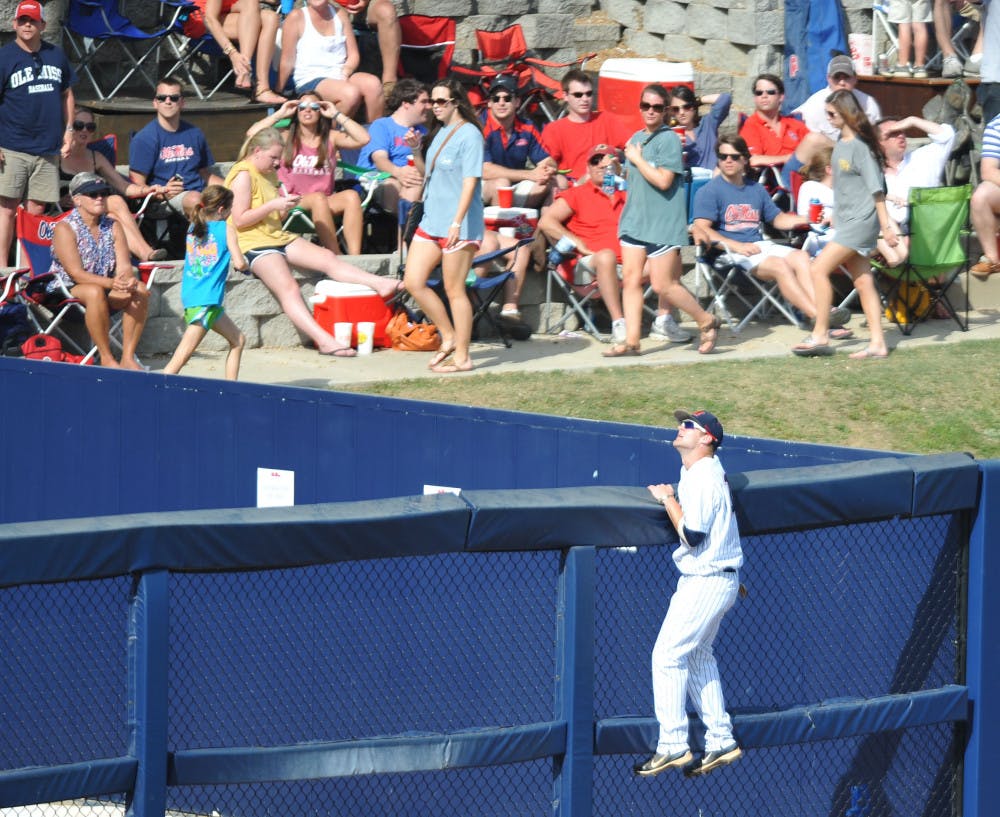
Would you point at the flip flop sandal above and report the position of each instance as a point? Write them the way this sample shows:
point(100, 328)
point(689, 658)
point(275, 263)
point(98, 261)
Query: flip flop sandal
point(622, 350)
point(440, 356)
point(810, 347)
point(868, 354)
point(709, 337)
point(840, 333)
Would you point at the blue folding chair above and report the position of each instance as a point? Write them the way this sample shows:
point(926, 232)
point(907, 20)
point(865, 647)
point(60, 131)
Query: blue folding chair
point(91, 25)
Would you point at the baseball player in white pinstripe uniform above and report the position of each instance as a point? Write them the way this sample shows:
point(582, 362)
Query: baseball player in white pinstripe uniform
point(709, 558)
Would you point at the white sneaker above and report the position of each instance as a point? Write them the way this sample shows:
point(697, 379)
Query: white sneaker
point(666, 327)
point(618, 330)
point(951, 66)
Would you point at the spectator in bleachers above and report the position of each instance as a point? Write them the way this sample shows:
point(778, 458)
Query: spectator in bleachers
point(245, 30)
point(36, 112)
point(258, 213)
point(986, 202)
point(923, 167)
point(817, 185)
point(568, 140)
point(859, 195)
point(910, 18)
point(511, 144)
point(988, 90)
point(589, 217)
point(319, 52)
point(840, 76)
point(452, 227)
point(391, 144)
point(80, 159)
point(700, 133)
point(381, 15)
point(771, 137)
point(318, 131)
point(944, 11)
point(729, 212)
point(171, 154)
point(91, 258)
point(653, 225)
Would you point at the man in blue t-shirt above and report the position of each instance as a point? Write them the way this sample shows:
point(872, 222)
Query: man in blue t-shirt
point(36, 109)
point(511, 142)
point(391, 142)
point(729, 211)
point(171, 152)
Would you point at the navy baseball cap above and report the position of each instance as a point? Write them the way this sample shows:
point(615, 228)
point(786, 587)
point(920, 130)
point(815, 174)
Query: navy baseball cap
point(504, 82)
point(705, 419)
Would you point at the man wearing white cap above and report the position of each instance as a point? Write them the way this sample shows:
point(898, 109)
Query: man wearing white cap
point(36, 109)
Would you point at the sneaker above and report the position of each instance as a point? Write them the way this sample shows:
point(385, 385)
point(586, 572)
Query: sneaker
point(618, 330)
point(902, 70)
point(713, 760)
point(666, 327)
point(839, 316)
point(951, 66)
point(660, 763)
point(972, 65)
point(984, 268)
point(919, 72)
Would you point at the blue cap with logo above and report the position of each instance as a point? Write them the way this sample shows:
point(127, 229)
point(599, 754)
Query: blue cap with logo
point(705, 419)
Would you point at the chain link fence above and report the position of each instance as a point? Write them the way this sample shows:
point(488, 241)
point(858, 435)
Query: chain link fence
point(463, 641)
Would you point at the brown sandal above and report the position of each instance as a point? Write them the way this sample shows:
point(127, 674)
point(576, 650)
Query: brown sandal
point(709, 336)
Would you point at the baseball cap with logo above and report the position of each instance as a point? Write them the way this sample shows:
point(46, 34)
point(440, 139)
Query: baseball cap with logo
point(705, 419)
point(30, 8)
point(841, 64)
point(602, 150)
point(504, 82)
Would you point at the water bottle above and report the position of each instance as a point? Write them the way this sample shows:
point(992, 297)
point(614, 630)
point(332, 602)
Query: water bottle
point(815, 211)
point(608, 183)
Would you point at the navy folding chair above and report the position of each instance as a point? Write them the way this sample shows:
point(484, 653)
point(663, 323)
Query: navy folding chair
point(92, 25)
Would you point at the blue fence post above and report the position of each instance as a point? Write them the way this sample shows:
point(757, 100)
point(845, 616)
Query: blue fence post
point(573, 796)
point(982, 665)
point(147, 692)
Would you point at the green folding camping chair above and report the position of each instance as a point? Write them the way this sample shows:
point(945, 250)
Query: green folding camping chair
point(939, 254)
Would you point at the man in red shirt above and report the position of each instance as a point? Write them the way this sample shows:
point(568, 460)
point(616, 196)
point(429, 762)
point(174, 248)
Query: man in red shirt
point(771, 137)
point(568, 140)
point(589, 217)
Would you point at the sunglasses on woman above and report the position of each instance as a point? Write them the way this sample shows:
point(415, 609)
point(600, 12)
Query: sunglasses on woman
point(679, 108)
point(309, 106)
point(87, 126)
point(656, 106)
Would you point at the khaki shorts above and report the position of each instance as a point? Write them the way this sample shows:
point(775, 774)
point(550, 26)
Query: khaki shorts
point(910, 11)
point(33, 177)
point(586, 273)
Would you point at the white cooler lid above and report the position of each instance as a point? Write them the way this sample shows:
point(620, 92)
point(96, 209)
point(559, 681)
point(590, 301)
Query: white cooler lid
point(497, 213)
point(647, 69)
point(338, 289)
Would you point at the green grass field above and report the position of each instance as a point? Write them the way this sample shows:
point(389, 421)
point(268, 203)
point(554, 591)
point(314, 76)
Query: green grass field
point(930, 399)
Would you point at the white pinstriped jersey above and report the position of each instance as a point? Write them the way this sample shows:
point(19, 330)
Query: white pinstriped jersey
point(703, 494)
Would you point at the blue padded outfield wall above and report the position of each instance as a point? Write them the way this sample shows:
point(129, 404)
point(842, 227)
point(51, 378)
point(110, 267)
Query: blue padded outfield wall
point(168, 647)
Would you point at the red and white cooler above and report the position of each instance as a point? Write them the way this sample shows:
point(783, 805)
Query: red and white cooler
point(337, 302)
point(621, 80)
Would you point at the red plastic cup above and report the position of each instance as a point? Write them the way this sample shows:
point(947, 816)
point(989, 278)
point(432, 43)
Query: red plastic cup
point(505, 196)
point(815, 212)
point(679, 130)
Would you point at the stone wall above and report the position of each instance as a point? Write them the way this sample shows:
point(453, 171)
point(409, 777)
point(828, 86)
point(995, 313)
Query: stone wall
point(728, 41)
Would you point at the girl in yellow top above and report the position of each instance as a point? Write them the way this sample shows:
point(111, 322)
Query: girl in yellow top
point(258, 213)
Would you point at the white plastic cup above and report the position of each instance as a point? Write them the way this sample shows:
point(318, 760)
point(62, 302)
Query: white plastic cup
point(342, 332)
point(366, 337)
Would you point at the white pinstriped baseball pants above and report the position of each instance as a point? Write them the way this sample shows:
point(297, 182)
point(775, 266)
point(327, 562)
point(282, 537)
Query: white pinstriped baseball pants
point(684, 664)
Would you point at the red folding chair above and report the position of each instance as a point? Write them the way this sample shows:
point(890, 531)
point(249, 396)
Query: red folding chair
point(428, 46)
point(507, 52)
